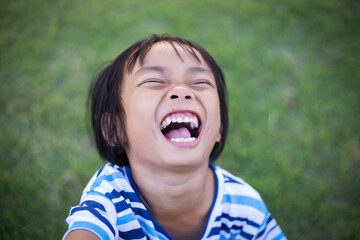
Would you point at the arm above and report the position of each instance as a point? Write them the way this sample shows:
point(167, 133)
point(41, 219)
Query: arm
point(95, 217)
point(81, 235)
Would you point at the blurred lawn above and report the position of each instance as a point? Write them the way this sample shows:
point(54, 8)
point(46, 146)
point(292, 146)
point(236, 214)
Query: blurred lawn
point(293, 76)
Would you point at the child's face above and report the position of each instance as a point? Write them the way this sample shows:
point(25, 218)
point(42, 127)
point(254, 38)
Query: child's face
point(172, 109)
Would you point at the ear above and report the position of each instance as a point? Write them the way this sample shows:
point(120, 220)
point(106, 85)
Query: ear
point(218, 138)
point(105, 125)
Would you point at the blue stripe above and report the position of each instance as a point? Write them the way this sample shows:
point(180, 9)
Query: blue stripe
point(265, 223)
point(97, 194)
point(280, 236)
point(93, 204)
point(132, 234)
point(141, 212)
point(214, 231)
point(100, 170)
point(132, 196)
point(232, 219)
point(244, 200)
point(150, 230)
point(96, 214)
point(126, 219)
point(115, 194)
point(225, 228)
point(223, 237)
point(274, 227)
point(246, 235)
point(229, 179)
point(91, 227)
point(121, 206)
point(108, 178)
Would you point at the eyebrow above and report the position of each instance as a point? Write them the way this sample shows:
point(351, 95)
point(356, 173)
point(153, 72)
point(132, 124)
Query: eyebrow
point(152, 68)
point(198, 69)
point(163, 70)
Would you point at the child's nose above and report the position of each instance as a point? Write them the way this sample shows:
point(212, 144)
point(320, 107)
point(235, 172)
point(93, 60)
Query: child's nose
point(180, 93)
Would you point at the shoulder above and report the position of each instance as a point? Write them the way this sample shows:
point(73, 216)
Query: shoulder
point(241, 207)
point(240, 201)
point(234, 185)
point(109, 180)
point(104, 199)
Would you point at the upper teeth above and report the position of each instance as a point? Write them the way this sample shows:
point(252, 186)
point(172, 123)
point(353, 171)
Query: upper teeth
point(194, 122)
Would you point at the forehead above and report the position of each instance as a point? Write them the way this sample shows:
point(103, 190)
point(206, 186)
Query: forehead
point(164, 53)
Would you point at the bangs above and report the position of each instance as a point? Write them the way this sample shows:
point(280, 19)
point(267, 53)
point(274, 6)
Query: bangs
point(139, 53)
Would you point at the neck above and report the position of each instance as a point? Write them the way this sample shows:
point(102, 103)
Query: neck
point(177, 197)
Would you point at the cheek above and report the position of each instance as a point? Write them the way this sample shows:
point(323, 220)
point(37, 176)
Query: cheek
point(215, 108)
point(214, 116)
point(139, 111)
point(218, 116)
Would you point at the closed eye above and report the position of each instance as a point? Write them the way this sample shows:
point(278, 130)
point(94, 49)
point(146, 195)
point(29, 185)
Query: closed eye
point(203, 82)
point(152, 81)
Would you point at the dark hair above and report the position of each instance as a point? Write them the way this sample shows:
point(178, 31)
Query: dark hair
point(105, 106)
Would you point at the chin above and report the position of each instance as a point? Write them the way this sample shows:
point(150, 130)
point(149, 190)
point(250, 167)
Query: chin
point(185, 160)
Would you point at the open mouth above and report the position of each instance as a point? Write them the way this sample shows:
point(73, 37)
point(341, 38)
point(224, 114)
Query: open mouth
point(181, 127)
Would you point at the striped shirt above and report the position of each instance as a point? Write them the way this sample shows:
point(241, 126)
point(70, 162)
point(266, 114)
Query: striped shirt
point(111, 208)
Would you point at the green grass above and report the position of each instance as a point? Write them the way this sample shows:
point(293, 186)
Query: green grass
point(293, 76)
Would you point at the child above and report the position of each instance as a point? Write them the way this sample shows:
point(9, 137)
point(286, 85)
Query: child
point(159, 116)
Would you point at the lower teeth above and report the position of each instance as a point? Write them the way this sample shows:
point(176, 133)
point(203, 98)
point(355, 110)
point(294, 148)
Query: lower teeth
point(183, 139)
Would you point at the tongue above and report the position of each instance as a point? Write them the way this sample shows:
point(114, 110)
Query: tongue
point(178, 133)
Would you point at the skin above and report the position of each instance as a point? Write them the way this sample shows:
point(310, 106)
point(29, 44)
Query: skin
point(81, 235)
point(175, 182)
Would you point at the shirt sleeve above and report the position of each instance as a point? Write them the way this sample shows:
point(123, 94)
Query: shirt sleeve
point(95, 213)
point(246, 205)
point(270, 230)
